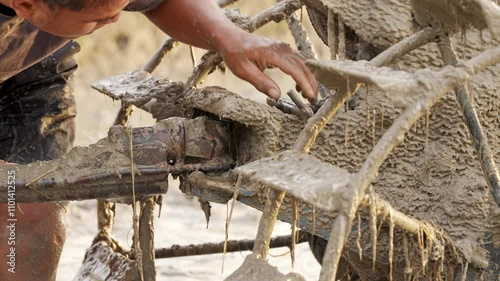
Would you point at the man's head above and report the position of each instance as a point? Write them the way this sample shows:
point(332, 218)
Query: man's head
point(69, 18)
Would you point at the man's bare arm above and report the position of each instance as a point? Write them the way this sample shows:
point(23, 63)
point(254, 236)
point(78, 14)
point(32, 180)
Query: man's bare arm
point(202, 23)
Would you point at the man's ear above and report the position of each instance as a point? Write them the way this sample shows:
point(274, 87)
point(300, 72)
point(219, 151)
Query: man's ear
point(34, 11)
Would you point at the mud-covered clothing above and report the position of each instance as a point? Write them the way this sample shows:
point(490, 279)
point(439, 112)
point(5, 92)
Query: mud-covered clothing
point(37, 106)
point(37, 110)
point(27, 44)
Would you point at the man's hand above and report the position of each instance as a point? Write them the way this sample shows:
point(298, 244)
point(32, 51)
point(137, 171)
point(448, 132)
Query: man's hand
point(201, 23)
point(249, 57)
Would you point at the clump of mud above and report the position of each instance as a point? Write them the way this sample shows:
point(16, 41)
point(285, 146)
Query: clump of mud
point(255, 269)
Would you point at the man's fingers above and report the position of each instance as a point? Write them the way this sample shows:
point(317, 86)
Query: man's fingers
point(311, 92)
point(293, 65)
point(249, 63)
point(312, 79)
point(251, 73)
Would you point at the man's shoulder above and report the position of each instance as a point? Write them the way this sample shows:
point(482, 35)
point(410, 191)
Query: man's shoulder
point(143, 6)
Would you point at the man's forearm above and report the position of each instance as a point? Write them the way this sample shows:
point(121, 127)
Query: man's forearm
point(200, 23)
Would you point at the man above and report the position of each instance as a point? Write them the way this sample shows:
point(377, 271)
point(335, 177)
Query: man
point(37, 106)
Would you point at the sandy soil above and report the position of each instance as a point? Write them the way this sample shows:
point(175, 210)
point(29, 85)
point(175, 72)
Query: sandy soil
point(126, 46)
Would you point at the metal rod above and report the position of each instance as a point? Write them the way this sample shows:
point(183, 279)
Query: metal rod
point(232, 246)
point(155, 60)
point(307, 111)
point(405, 46)
point(332, 38)
point(146, 237)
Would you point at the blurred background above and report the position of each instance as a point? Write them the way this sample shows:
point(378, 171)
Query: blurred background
point(126, 46)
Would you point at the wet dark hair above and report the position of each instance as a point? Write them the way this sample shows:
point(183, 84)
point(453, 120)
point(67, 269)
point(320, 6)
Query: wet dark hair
point(74, 5)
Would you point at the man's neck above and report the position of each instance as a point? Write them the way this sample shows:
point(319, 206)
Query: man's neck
point(5, 9)
point(5, 3)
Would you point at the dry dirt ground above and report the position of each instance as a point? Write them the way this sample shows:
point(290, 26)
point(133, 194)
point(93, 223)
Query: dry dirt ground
point(123, 47)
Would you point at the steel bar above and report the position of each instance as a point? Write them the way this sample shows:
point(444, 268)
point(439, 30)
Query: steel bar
point(266, 223)
point(405, 46)
point(332, 38)
point(306, 111)
point(333, 251)
point(232, 246)
point(300, 36)
point(316, 123)
point(146, 237)
point(167, 45)
point(112, 187)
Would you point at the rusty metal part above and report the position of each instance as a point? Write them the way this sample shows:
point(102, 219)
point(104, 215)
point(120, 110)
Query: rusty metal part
point(177, 141)
point(172, 146)
point(232, 246)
